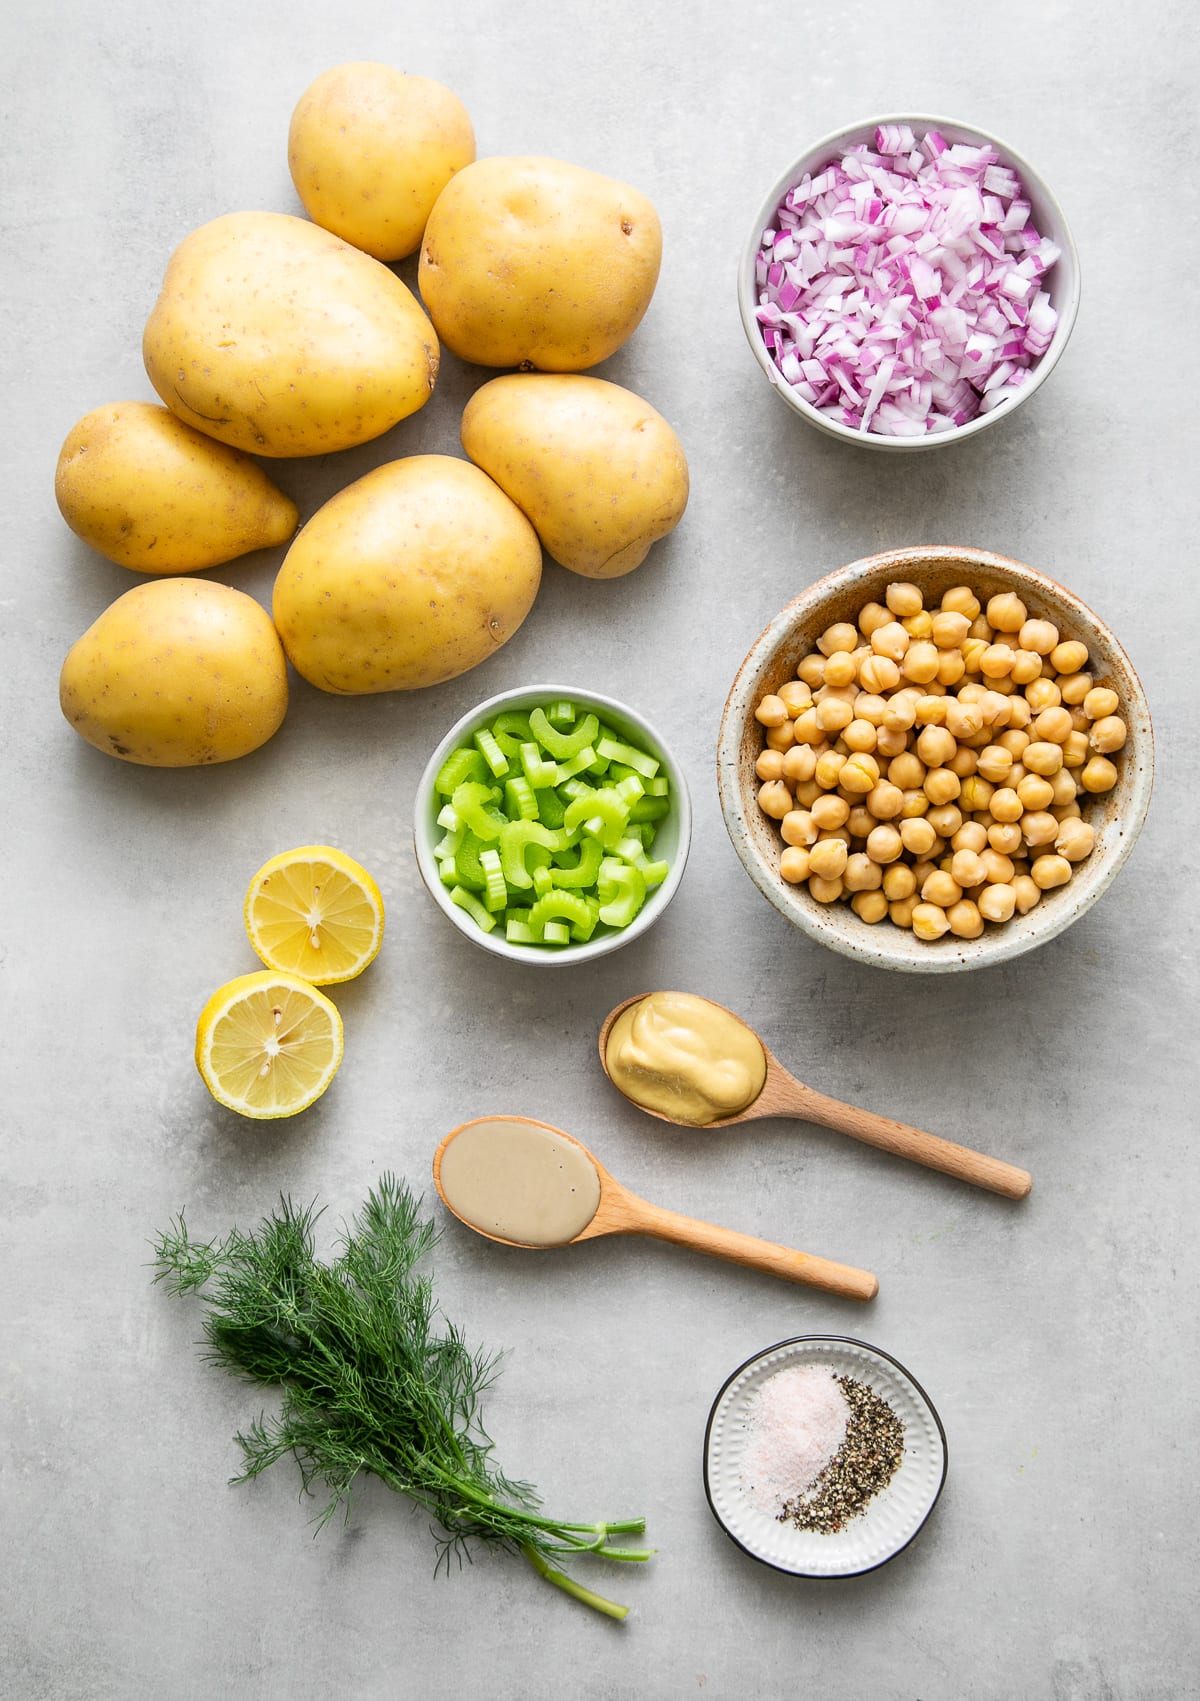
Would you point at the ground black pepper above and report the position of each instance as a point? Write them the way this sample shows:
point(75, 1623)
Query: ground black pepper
point(866, 1462)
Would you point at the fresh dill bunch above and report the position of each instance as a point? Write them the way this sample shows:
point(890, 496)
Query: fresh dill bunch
point(373, 1378)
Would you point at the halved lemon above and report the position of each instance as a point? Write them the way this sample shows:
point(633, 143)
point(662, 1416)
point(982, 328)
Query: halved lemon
point(314, 912)
point(268, 1044)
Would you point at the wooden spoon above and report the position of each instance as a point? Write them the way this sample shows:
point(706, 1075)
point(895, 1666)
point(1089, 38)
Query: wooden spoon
point(783, 1095)
point(622, 1212)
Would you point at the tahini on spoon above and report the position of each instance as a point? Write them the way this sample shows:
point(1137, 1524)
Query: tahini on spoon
point(621, 1212)
point(783, 1095)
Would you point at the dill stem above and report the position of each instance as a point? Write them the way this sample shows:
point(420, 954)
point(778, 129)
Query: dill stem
point(589, 1597)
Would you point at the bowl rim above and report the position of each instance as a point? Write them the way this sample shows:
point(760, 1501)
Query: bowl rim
point(1067, 308)
point(565, 956)
point(1000, 945)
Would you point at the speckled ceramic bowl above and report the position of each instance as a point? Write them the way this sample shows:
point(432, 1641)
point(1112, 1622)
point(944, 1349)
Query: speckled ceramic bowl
point(671, 842)
point(1117, 815)
point(1062, 280)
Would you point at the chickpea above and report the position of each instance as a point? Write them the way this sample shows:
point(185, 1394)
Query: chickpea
point(1029, 894)
point(869, 706)
point(1006, 805)
point(901, 712)
point(825, 891)
point(1100, 702)
point(1015, 740)
point(1026, 667)
point(972, 651)
point(840, 636)
point(1039, 827)
point(878, 673)
point(967, 868)
point(1007, 612)
point(965, 919)
point(961, 599)
point(994, 763)
point(920, 662)
point(781, 737)
point(774, 799)
point(1043, 758)
point(935, 746)
point(997, 660)
point(1098, 775)
point(807, 793)
point(1038, 635)
point(885, 801)
point(891, 641)
point(1050, 871)
point(793, 865)
point(1053, 726)
point(860, 736)
point(771, 711)
point(941, 888)
point(917, 836)
point(916, 803)
point(884, 843)
point(898, 881)
point(861, 773)
point(951, 667)
point(976, 794)
point(964, 762)
point(840, 669)
point(889, 743)
point(972, 835)
point(931, 711)
point(828, 857)
point(1063, 788)
point(795, 697)
point(1075, 688)
point(1108, 734)
point(829, 769)
point(869, 906)
point(929, 921)
point(769, 765)
point(949, 628)
point(807, 729)
point(1035, 792)
point(942, 785)
point(1004, 837)
point(945, 819)
point(872, 616)
point(861, 874)
point(833, 714)
point(980, 629)
point(799, 828)
point(1075, 839)
point(922, 869)
point(860, 821)
point(998, 869)
point(1021, 715)
point(904, 599)
point(829, 812)
point(996, 707)
point(1069, 657)
point(800, 763)
point(1067, 812)
point(997, 902)
point(963, 720)
point(1041, 695)
point(811, 671)
point(1079, 721)
point(900, 910)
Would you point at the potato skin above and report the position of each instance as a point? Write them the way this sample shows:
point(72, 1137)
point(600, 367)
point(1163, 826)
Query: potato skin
point(152, 494)
point(278, 338)
point(533, 262)
point(371, 148)
point(408, 577)
point(175, 674)
point(597, 470)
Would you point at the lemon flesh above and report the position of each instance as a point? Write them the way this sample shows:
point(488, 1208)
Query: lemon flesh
point(316, 913)
point(268, 1044)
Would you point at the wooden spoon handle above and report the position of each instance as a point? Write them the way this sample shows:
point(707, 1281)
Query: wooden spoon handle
point(912, 1143)
point(757, 1254)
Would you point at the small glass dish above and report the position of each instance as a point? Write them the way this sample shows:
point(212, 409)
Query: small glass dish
point(889, 1521)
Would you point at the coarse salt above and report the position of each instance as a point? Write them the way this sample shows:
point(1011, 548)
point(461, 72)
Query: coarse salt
point(796, 1423)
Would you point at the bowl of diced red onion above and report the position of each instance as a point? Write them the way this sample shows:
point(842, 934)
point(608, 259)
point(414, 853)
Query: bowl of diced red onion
point(908, 281)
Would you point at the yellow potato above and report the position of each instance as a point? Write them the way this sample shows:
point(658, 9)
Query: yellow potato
point(151, 493)
point(370, 150)
point(175, 673)
point(599, 473)
point(277, 337)
point(408, 577)
point(536, 262)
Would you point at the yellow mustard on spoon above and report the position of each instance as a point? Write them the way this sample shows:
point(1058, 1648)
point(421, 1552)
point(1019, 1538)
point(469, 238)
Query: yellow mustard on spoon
point(690, 1061)
point(525, 1183)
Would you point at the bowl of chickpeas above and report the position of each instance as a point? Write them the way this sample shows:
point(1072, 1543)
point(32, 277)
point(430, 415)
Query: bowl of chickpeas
point(935, 759)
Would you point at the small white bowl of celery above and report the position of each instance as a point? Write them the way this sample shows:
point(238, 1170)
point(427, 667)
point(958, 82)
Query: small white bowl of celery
point(551, 825)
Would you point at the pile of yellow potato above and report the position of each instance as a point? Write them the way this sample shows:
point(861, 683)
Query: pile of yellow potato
point(278, 337)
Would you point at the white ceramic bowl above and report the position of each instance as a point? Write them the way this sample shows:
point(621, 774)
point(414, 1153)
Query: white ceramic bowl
point(1117, 815)
point(1062, 280)
point(671, 842)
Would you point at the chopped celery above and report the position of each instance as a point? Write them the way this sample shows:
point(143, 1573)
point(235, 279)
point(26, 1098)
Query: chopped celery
point(548, 819)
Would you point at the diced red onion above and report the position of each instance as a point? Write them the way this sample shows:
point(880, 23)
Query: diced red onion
point(900, 289)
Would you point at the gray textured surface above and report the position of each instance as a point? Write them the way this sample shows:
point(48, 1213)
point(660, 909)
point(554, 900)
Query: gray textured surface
point(1057, 1338)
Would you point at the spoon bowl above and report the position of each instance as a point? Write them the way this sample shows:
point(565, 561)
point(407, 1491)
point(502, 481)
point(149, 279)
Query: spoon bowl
point(618, 1211)
point(783, 1095)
